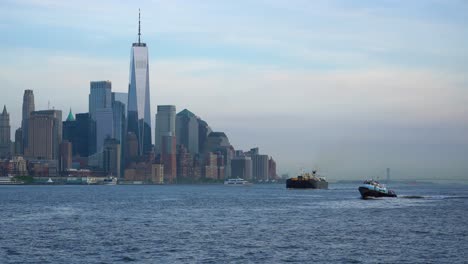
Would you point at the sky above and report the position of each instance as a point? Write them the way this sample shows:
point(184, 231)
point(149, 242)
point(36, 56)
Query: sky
point(348, 87)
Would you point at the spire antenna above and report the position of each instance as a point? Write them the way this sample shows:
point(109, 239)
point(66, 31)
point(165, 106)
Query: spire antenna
point(139, 26)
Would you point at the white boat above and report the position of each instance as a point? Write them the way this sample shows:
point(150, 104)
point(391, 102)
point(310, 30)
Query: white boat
point(110, 181)
point(236, 182)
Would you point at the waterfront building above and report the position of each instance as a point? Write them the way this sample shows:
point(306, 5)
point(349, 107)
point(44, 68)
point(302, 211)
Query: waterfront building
point(220, 164)
point(43, 167)
point(100, 96)
point(69, 131)
point(131, 148)
point(119, 102)
point(203, 131)
point(119, 109)
point(184, 163)
point(104, 126)
point(187, 130)
point(259, 167)
point(65, 155)
point(157, 175)
point(111, 157)
point(84, 143)
point(211, 168)
point(6, 167)
point(241, 167)
point(19, 142)
point(5, 137)
point(138, 107)
point(272, 175)
point(165, 124)
point(19, 166)
point(169, 158)
point(81, 132)
point(28, 108)
point(45, 135)
point(219, 142)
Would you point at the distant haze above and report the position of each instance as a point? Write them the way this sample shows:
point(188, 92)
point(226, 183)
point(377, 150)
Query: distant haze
point(350, 87)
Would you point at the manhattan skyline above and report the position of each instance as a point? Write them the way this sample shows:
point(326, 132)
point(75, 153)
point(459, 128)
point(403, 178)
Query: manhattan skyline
point(349, 88)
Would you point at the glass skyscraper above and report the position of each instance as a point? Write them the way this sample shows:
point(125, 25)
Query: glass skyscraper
point(138, 107)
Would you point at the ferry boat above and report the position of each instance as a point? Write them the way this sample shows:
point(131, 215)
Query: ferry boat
point(307, 181)
point(8, 180)
point(371, 188)
point(236, 182)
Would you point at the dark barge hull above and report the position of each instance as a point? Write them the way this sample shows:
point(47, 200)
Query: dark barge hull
point(306, 184)
point(365, 193)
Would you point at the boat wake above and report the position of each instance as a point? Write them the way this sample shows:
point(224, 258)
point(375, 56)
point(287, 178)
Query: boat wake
point(414, 197)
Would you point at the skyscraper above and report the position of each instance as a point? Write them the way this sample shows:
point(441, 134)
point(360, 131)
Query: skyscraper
point(168, 157)
point(45, 135)
point(165, 124)
point(260, 167)
point(19, 141)
point(5, 136)
point(28, 107)
point(119, 102)
point(138, 107)
point(104, 127)
point(111, 157)
point(187, 130)
point(241, 168)
point(65, 155)
point(100, 96)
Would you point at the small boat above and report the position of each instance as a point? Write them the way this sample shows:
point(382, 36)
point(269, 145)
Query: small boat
point(50, 180)
point(110, 181)
point(236, 182)
point(371, 188)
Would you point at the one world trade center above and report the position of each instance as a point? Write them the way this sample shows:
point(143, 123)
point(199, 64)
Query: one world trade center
point(139, 120)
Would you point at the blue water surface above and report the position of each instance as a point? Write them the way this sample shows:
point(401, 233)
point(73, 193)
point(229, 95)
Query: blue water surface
point(223, 224)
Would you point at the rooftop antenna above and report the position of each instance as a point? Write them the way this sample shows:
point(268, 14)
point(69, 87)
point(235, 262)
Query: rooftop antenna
point(48, 105)
point(139, 26)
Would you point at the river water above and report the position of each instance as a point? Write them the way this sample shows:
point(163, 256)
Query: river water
point(221, 224)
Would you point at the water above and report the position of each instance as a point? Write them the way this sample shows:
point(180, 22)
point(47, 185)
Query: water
point(220, 224)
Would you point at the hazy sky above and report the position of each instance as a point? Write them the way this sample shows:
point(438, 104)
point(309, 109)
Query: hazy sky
point(351, 87)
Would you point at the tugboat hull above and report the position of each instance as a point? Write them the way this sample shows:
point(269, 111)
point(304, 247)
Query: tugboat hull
point(366, 193)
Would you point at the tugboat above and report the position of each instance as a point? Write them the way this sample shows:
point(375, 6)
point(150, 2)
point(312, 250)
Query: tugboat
point(307, 181)
point(371, 188)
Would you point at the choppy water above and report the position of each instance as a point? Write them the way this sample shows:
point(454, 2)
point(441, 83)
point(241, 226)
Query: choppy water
point(219, 224)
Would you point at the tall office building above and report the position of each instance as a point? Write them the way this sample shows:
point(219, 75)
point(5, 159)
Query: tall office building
point(104, 127)
point(5, 137)
point(19, 142)
point(272, 169)
point(100, 111)
point(138, 107)
point(187, 130)
point(65, 155)
point(81, 132)
point(45, 135)
point(111, 157)
point(203, 131)
point(28, 107)
point(165, 124)
point(119, 102)
point(169, 157)
point(100, 96)
point(241, 167)
point(260, 167)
